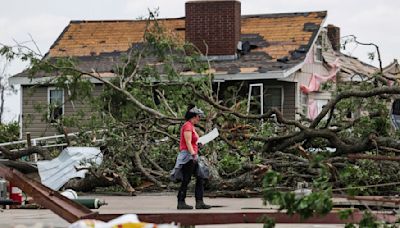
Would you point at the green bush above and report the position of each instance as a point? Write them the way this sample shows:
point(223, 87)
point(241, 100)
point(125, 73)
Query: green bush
point(9, 132)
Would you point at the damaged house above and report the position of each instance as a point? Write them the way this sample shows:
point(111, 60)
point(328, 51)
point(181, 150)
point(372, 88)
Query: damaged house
point(277, 60)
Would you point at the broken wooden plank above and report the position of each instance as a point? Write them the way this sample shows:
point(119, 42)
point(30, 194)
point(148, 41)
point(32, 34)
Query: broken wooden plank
point(46, 197)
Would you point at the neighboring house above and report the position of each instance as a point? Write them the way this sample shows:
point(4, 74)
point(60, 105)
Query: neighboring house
point(278, 59)
point(393, 69)
point(353, 71)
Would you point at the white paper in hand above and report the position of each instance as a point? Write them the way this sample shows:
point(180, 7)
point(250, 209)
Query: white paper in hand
point(208, 137)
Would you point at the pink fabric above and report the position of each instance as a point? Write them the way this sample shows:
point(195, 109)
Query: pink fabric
point(315, 83)
point(312, 109)
point(312, 86)
point(316, 79)
point(390, 82)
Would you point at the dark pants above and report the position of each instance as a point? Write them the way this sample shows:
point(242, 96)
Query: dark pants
point(188, 170)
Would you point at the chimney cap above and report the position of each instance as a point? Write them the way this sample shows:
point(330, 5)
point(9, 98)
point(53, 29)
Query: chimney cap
point(332, 26)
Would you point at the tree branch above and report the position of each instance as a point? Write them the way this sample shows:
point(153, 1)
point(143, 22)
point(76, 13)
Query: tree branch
point(25, 152)
point(348, 94)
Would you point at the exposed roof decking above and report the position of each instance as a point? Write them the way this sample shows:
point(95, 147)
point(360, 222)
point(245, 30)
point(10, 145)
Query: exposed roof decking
point(89, 38)
point(284, 33)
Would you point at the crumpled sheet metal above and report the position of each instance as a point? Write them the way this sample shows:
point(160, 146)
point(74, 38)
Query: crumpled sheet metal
point(55, 173)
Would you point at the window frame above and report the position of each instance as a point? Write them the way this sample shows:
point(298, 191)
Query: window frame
point(304, 106)
point(261, 85)
point(49, 116)
point(318, 46)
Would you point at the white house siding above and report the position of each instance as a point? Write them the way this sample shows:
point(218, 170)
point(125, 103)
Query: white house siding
point(303, 77)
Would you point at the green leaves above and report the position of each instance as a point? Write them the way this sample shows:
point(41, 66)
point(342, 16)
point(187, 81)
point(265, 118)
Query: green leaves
point(367, 172)
point(7, 52)
point(9, 132)
point(316, 203)
point(345, 214)
point(230, 163)
point(369, 221)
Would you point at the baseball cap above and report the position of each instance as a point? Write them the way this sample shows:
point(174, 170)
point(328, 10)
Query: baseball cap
point(197, 111)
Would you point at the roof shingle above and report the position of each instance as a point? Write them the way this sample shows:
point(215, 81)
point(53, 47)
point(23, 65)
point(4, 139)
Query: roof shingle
point(284, 33)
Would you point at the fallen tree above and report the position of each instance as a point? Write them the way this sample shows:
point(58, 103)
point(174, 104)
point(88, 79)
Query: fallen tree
point(140, 111)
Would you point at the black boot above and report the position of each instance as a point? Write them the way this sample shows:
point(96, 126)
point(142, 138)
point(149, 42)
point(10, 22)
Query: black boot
point(183, 206)
point(201, 205)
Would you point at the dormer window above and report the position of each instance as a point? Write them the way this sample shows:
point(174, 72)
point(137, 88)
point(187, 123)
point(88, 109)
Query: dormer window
point(318, 50)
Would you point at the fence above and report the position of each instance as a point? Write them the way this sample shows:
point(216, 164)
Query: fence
point(28, 142)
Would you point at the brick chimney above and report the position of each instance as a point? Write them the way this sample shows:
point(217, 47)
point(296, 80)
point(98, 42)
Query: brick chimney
point(333, 33)
point(216, 23)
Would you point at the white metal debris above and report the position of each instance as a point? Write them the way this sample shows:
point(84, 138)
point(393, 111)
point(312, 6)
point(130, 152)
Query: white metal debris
point(55, 173)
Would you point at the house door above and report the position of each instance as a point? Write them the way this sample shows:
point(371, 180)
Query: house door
point(255, 100)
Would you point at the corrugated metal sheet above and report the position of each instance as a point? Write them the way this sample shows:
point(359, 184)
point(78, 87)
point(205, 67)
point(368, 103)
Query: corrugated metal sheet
point(55, 173)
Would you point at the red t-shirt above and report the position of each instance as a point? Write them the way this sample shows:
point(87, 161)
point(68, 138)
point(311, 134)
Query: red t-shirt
point(188, 126)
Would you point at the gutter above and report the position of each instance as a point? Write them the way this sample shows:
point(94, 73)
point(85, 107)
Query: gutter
point(44, 80)
point(256, 76)
point(217, 77)
point(248, 76)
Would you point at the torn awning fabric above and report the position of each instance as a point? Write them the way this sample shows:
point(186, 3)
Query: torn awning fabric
point(183, 158)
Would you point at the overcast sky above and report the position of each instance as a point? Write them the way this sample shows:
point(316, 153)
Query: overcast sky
point(370, 20)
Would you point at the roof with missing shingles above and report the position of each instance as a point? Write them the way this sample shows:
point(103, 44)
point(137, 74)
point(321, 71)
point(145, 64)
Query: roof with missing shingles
point(279, 41)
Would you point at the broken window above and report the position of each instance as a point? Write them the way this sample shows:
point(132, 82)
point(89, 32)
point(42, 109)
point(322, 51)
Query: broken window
point(255, 99)
point(273, 98)
point(56, 103)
